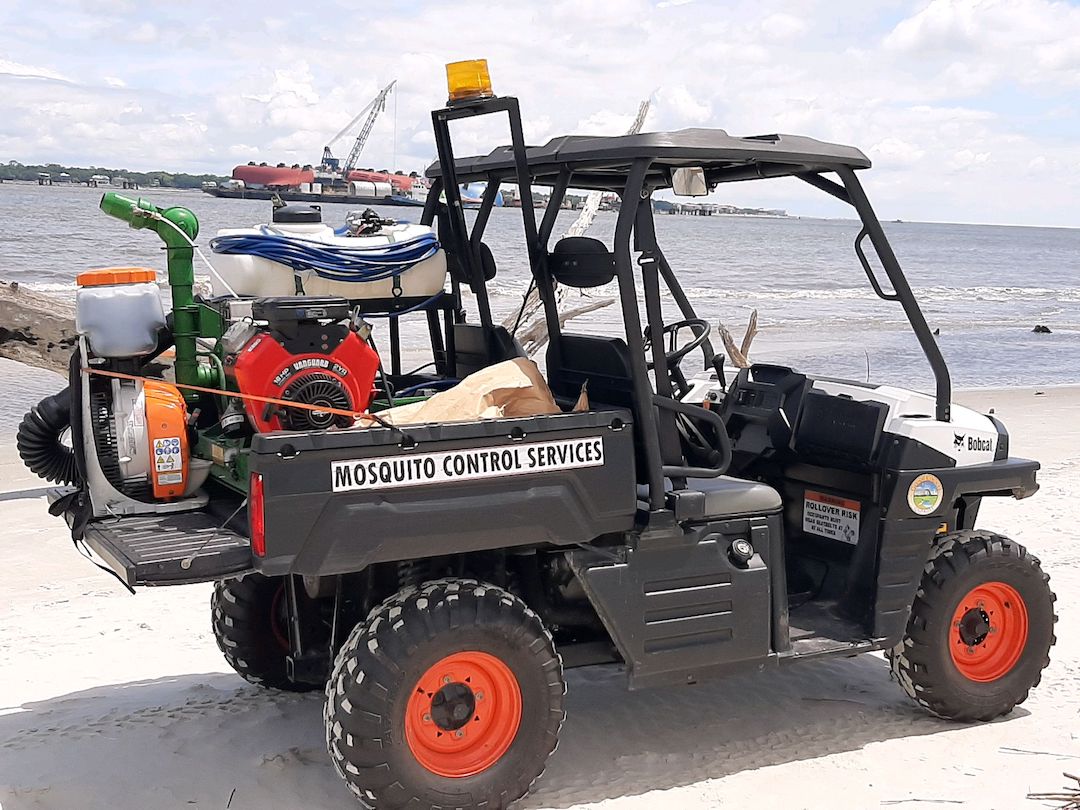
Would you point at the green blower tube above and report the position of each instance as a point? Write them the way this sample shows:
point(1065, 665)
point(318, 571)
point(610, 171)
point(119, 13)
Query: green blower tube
point(177, 227)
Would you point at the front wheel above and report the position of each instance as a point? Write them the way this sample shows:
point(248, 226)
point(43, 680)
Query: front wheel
point(450, 695)
point(980, 630)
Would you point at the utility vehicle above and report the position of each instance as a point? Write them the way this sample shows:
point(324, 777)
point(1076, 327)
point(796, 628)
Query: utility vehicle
point(437, 579)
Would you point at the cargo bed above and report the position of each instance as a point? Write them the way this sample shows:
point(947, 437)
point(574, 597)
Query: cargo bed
point(174, 549)
point(339, 501)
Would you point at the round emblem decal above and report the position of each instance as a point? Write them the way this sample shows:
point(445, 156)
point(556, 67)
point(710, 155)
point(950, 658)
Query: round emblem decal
point(924, 495)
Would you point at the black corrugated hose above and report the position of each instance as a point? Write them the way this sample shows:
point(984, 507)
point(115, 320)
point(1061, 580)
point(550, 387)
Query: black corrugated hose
point(39, 444)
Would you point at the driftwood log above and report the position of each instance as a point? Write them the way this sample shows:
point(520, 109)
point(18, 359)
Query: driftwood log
point(740, 355)
point(1068, 798)
point(535, 335)
point(36, 329)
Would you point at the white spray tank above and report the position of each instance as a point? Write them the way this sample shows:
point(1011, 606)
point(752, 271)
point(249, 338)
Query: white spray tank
point(257, 276)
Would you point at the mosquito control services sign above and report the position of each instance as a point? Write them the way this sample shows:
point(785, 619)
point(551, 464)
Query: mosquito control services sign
point(467, 464)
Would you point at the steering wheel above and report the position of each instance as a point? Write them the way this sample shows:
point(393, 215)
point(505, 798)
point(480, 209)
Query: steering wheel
point(674, 354)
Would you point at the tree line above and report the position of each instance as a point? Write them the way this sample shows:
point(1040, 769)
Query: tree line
point(14, 170)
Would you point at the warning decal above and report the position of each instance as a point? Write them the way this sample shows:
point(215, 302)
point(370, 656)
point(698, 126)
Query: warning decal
point(467, 464)
point(167, 457)
point(832, 517)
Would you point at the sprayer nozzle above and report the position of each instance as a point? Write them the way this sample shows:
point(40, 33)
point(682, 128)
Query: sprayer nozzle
point(133, 212)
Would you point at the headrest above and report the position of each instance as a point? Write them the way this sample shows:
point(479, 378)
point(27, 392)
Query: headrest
point(578, 261)
point(487, 266)
point(487, 262)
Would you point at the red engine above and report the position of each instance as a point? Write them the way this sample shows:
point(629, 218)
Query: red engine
point(307, 354)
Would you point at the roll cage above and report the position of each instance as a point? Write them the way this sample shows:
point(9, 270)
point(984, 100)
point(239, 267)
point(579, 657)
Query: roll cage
point(634, 167)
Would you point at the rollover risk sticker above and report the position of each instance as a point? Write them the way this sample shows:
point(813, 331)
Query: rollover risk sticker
point(467, 464)
point(832, 517)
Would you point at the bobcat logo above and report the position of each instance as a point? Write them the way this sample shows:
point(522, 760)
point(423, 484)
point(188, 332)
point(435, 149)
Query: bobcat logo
point(958, 441)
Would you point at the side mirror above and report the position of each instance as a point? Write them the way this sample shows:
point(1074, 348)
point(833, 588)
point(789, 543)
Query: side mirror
point(689, 182)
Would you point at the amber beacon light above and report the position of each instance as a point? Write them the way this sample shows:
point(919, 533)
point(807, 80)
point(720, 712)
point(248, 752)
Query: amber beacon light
point(468, 81)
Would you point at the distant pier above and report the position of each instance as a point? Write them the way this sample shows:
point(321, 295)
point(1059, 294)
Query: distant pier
point(710, 209)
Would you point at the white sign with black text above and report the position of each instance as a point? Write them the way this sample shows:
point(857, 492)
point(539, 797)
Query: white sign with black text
point(468, 464)
point(831, 516)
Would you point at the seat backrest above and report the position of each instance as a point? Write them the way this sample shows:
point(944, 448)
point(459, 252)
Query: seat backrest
point(603, 362)
point(476, 348)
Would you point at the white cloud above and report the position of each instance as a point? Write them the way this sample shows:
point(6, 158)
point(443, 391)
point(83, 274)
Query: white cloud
point(1031, 41)
point(965, 159)
point(19, 70)
point(144, 33)
point(896, 152)
point(689, 108)
point(782, 26)
point(933, 99)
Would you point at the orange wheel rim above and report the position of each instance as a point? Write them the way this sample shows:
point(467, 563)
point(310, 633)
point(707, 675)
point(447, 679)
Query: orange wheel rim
point(988, 632)
point(463, 714)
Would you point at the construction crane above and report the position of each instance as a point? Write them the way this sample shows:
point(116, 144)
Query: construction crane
point(372, 110)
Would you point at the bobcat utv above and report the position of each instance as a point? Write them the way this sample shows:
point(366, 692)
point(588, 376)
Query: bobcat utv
point(437, 579)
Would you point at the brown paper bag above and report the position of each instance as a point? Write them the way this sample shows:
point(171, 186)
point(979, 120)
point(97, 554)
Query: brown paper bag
point(514, 388)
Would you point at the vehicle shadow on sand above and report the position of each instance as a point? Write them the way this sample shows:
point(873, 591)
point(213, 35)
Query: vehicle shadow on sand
point(208, 740)
point(620, 743)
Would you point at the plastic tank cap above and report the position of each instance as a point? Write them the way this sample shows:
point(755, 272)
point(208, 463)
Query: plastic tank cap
point(298, 213)
point(115, 275)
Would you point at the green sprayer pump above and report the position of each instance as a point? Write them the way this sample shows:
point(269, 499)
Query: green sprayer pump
point(177, 228)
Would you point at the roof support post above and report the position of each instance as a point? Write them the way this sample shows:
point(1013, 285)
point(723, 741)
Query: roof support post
point(645, 415)
point(551, 213)
point(648, 261)
point(545, 287)
point(903, 291)
point(459, 245)
point(431, 202)
point(826, 185)
point(685, 307)
point(491, 191)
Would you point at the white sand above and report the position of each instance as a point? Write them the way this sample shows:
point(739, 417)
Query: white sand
point(110, 701)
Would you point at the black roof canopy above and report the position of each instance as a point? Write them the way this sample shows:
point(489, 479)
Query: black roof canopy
point(599, 162)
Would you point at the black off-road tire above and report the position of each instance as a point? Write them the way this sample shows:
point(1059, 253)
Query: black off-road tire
point(248, 632)
point(381, 666)
point(922, 662)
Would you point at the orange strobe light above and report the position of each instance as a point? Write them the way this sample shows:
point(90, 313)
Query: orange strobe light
point(468, 80)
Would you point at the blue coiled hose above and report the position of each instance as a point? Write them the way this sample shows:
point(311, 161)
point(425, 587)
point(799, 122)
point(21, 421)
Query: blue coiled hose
point(332, 262)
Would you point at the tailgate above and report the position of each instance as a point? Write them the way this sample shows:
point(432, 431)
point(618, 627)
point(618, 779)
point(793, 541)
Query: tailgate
point(171, 549)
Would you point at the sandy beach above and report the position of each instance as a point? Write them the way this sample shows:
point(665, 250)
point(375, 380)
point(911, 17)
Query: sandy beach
point(113, 701)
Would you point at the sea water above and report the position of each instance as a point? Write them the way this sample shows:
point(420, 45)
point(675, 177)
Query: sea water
point(982, 287)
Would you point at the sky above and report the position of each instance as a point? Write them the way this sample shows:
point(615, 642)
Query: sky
point(968, 108)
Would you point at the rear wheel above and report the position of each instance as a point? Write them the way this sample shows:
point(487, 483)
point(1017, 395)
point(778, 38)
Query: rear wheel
point(450, 694)
point(249, 617)
point(980, 631)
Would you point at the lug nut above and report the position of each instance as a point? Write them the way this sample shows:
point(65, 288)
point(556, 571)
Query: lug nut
point(479, 695)
point(427, 718)
point(459, 733)
point(446, 679)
